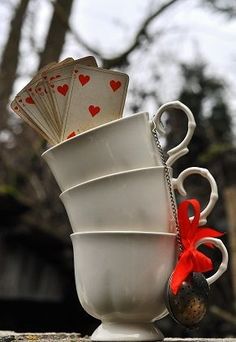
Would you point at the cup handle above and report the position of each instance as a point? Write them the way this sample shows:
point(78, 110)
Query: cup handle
point(181, 149)
point(178, 185)
point(224, 263)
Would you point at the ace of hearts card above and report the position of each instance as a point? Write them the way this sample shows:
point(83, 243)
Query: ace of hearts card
point(96, 96)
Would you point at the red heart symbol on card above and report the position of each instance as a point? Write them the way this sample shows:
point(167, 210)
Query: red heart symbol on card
point(72, 134)
point(29, 100)
point(63, 89)
point(84, 79)
point(94, 110)
point(115, 85)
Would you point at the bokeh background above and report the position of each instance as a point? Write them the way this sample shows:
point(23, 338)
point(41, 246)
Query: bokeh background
point(171, 49)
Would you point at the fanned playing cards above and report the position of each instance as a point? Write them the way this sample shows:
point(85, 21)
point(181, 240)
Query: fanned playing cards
point(67, 98)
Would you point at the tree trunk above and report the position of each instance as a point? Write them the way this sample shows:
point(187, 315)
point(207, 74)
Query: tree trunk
point(57, 32)
point(9, 62)
point(230, 204)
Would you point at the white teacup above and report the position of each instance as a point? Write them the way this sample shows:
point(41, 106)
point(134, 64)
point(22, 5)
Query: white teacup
point(121, 279)
point(133, 200)
point(117, 146)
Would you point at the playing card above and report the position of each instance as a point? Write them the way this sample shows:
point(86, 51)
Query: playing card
point(26, 102)
point(58, 81)
point(42, 102)
point(30, 90)
point(30, 104)
point(38, 93)
point(96, 96)
point(19, 110)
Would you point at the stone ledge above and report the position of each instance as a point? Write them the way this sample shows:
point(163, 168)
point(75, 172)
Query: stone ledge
point(42, 337)
point(10, 336)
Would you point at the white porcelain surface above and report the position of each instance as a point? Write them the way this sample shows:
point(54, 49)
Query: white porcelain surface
point(224, 253)
point(121, 279)
point(120, 145)
point(133, 200)
point(113, 331)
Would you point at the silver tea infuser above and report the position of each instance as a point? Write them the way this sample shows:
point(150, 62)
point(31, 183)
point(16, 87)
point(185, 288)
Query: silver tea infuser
point(189, 305)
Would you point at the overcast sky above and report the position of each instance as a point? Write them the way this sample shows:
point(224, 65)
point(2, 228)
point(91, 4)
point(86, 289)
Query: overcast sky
point(189, 32)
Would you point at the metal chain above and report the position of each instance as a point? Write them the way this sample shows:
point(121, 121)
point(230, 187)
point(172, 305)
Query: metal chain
point(169, 185)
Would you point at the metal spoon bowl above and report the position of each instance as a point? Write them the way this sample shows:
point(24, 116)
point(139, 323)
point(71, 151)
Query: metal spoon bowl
point(189, 305)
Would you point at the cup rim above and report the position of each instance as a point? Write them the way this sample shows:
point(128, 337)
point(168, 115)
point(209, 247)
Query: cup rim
point(121, 232)
point(92, 130)
point(72, 188)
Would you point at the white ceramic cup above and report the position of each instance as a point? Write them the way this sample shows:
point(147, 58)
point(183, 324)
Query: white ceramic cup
point(117, 146)
point(135, 200)
point(121, 279)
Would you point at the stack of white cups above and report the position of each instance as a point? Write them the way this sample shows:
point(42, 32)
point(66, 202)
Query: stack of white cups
point(117, 199)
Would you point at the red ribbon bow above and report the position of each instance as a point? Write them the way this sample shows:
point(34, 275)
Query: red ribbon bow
point(190, 259)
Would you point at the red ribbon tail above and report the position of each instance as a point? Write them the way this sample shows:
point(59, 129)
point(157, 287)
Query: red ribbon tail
point(201, 263)
point(206, 232)
point(182, 270)
point(188, 228)
point(191, 260)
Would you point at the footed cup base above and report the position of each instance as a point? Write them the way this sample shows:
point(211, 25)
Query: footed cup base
point(111, 331)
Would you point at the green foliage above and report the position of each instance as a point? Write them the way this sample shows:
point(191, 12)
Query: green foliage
point(214, 151)
point(204, 94)
point(201, 90)
point(6, 189)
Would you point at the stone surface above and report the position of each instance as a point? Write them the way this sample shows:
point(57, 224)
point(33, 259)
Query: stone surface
point(46, 337)
point(10, 336)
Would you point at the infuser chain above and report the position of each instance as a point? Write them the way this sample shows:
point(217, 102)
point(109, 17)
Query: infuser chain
point(169, 185)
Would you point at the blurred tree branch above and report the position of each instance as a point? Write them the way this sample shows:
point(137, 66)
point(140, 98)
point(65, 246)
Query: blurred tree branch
point(140, 36)
point(225, 315)
point(57, 32)
point(9, 60)
point(222, 6)
point(121, 59)
point(30, 175)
